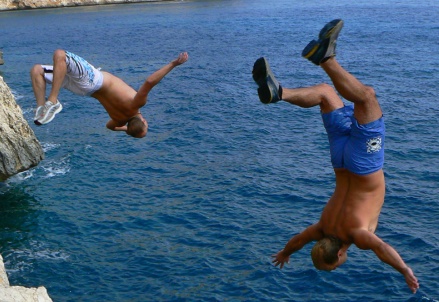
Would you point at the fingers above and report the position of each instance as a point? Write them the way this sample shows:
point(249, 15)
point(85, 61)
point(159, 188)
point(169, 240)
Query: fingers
point(277, 262)
point(412, 281)
point(414, 286)
point(183, 57)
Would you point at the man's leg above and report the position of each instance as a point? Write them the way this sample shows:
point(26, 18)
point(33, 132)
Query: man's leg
point(46, 110)
point(321, 95)
point(38, 84)
point(366, 108)
point(59, 73)
point(322, 52)
point(270, 91)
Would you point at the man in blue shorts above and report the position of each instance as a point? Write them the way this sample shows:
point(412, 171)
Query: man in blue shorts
point(73, 73)
point(356, 137)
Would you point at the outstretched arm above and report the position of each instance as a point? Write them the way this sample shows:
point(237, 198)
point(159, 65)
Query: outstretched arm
point(297, 242)
point(366, 240)
point(142, 95)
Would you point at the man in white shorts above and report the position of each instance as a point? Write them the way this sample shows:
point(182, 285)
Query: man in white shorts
point(73, 73)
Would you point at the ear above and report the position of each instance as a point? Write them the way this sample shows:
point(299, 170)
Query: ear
point(339, 253)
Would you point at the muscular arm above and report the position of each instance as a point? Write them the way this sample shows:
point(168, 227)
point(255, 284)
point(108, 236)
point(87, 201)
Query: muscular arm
point(142, 95)
point(366, 240)
point(296, 243)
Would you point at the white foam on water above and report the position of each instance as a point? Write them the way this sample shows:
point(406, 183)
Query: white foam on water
point(51, 168)
point(50, 255)
point(24, 258)
point(22, 176)
point(16, 95)
point(56, 168)
point(49, 146)
point(18, 178)
point(28, 110)
point(425, 298)
point(42, 254)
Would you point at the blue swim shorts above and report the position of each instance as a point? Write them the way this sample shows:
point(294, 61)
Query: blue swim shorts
point(358, 148)
point(82, 78)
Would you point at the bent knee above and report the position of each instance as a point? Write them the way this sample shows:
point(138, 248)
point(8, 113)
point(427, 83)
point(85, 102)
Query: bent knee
point(330, 100)
point(59, 54)
point(367, 109)
point(36, 70)
point(368, 95)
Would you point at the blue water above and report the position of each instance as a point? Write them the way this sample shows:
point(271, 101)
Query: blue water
point(194, 211)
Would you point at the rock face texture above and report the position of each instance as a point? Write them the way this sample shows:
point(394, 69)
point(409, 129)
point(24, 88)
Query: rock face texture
point(29, 4)
point(19, 148)
point(18, 293)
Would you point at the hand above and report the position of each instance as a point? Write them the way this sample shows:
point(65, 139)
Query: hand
point(280, 258)
point(182, 58)
point(411, 280)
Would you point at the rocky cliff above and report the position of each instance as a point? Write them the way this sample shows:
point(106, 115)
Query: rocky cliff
point(29, 4)
point(19, 148)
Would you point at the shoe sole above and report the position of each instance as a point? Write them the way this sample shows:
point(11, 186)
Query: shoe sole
point(324, 34)
point(310, 49)
point(260, 71)
point(264, 77)
point(35, 118)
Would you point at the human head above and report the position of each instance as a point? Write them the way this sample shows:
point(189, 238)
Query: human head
point(137, 126)
point(327, 254)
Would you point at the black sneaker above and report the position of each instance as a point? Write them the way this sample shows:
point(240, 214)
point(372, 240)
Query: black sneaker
point(324, 48)
point(269, 90)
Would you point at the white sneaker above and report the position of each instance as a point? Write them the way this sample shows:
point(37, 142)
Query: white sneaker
point(39, 114)
point(50, 110)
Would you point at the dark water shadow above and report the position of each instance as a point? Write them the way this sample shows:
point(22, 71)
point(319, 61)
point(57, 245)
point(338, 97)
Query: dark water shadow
point(18, 216)
point(18, 224)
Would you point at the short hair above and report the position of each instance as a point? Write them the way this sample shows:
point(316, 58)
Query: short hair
point(325, 249)
point(136, 127)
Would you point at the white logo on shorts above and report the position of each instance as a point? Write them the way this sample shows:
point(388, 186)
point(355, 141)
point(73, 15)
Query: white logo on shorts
point(374, 145)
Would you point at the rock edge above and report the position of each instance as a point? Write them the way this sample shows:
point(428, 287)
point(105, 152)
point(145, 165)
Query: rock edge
point(20, 150)
point(19, 293)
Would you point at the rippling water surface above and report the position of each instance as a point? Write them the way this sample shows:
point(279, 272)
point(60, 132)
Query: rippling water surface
point(194, 211)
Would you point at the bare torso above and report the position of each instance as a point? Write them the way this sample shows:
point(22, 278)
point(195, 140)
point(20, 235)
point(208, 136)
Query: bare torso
point(117, 98)
point(355, 204)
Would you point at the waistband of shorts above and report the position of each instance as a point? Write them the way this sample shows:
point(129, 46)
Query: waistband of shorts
point(98, 82)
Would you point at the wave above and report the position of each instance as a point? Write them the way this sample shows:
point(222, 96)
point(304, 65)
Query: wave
point(49, 146)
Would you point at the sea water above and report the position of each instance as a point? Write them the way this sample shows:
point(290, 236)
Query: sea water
point(193, 211)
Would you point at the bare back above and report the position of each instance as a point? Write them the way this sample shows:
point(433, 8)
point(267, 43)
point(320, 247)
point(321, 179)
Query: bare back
point(117, 98)
point(355, 204)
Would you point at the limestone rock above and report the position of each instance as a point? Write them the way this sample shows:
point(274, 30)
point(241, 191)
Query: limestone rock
point(29, 4)
point(4, 282)
point(19, 148)
point(19, 293)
